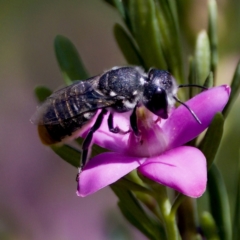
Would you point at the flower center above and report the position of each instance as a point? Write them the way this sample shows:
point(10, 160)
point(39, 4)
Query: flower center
point(152, 141)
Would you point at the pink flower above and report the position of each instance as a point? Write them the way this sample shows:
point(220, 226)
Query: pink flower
point(159, 154)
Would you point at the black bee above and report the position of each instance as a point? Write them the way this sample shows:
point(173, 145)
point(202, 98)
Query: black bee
point(120, 89)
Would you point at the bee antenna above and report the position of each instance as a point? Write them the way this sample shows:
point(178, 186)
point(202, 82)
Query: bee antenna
point(189, 109)
point(192, 85)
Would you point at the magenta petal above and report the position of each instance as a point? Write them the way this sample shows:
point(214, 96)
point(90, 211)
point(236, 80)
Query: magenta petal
point(105, 169)
point(112, 141)
point(181, 127)
point(183, 169)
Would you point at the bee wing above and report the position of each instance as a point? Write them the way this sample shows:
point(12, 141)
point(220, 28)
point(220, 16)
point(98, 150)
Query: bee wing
point(70, 102)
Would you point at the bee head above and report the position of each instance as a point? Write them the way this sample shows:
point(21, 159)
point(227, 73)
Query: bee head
point(159, 92)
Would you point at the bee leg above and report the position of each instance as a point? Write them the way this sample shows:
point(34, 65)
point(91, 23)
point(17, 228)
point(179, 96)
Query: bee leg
point(110, 124)
point(114, 129)
point(133, 122)
point(87, 141)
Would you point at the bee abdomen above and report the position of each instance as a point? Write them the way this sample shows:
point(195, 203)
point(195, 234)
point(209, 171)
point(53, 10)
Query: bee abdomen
point(55, 133)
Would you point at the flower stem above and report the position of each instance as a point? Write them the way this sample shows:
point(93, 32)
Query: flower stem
point(178, 200)
point(167, 216)
point(187, 219)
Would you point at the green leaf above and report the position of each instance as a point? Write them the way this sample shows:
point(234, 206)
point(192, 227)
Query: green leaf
point(42, 93)
point(209, 81)
point(119, 5)
point(202, 57)
point(219, 203)
point(236, 222)
point(128, 184)
point(144, 28)
point(174, 12)
point(68, 153)
point(170, 37)
point(69, 60)
point(212, 32)
point(208, 226)
point(212, 139)
point(159, 231)
point(127, 46)
point(235, 87)
point(135, 214)
point(192, 77)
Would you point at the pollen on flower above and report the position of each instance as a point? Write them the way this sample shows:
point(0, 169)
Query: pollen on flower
point(145, 118)
point(152, 140)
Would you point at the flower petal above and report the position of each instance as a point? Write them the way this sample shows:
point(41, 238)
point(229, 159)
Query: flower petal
point(183, 169)
point(116, 142)
point(181, 126)
point(105, 169)
point(152, 142)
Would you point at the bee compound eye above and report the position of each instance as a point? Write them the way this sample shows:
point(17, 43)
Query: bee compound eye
point(156, 102)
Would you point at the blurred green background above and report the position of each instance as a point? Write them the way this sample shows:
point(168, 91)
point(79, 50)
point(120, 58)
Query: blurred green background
point(37, 188)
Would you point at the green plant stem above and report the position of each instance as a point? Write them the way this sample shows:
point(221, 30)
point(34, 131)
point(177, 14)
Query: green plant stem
point(165, 208)
point(219, 203)
point(236, 222)
point(187, 219)
point(145, 195)
point(177, 202)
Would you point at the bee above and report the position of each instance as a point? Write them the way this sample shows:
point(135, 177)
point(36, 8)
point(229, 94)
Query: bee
point(120, 89)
